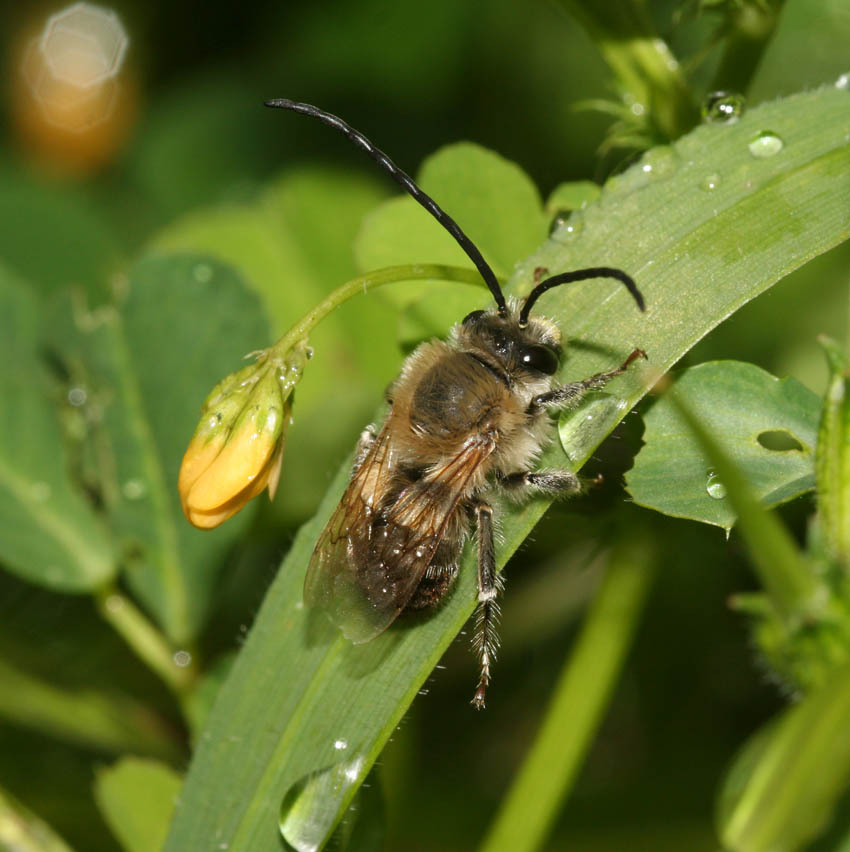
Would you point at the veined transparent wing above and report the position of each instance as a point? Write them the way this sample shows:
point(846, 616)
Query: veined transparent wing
point(378, 543)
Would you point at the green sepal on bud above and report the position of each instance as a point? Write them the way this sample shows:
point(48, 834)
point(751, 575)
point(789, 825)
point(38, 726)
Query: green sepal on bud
point(237, 449)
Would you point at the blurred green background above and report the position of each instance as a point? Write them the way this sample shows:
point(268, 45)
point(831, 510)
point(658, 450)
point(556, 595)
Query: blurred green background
point(189, 159)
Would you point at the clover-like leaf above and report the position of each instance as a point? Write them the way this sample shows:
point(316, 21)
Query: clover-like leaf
point(767, 427)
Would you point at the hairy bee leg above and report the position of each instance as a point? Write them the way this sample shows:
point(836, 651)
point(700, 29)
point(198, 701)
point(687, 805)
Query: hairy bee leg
point(555, 483)
point(485, 640)
point(571, 393)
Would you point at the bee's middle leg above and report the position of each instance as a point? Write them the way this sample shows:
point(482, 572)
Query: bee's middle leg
point(554, 483)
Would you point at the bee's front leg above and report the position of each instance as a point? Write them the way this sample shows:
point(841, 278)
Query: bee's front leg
point(485, 639)
point(571, 393)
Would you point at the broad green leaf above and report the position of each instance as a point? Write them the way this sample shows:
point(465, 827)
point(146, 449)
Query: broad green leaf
point(106, 721)
point(144, 367)
point(292, 245)
point(136, 798)
point(48, 533)
point(300, 699)
point(83, 251)
point(766, 426)
point(781, 791)
point(22, 831)
point(494, 202)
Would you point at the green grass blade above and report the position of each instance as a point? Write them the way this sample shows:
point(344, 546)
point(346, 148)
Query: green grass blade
point(300, 700)
point(579, 701)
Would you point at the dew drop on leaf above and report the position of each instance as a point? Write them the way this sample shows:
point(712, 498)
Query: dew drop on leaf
point(766, 144)
point(710, 182)
point(723, 107)
point(714, 486)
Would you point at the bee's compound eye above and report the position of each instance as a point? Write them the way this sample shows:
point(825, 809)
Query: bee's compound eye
point(473, 317)
point(541, 359)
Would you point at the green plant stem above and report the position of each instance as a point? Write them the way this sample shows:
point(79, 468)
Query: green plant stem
point(104, 720)
point(751, 27)
point(149, 645)
point(580, 698)
point(787, 578)
point(645, 68)
point(23, 831)
point(362, 284)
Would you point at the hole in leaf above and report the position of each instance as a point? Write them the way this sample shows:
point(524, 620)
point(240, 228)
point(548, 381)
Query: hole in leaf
point(779, 441)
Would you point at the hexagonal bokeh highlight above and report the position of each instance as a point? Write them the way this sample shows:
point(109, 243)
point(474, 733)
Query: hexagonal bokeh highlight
point(83, 45)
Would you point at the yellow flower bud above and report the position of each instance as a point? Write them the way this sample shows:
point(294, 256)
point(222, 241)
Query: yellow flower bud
point(237, 449)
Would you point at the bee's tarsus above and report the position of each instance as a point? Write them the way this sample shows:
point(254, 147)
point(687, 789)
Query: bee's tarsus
point(478, 699)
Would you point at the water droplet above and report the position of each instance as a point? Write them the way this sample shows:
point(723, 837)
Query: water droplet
point(710, 182)
point(660, 162)
point(340, 745)
point(40, 491)
point(574, 227)
point(312, 806)
point(766, 144)
point(134, 489)
point(182, 659)
point(714, 486)
point(843, 83)
point(203, 273)
point(723, 107)
point(77, 397)
point(558, 220)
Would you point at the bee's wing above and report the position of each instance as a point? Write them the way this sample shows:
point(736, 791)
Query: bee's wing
point(370, 559)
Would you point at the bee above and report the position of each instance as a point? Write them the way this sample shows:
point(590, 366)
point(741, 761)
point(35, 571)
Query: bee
point(467, 418)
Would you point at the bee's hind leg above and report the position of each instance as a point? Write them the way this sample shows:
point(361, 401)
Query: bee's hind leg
point(485, 639)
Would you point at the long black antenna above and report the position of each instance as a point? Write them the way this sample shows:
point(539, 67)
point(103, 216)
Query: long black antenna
point(579, 275)
point(409, 185)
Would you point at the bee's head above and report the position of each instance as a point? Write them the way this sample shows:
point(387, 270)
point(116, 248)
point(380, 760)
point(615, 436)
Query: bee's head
point(533, 347)
point(526, 344)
